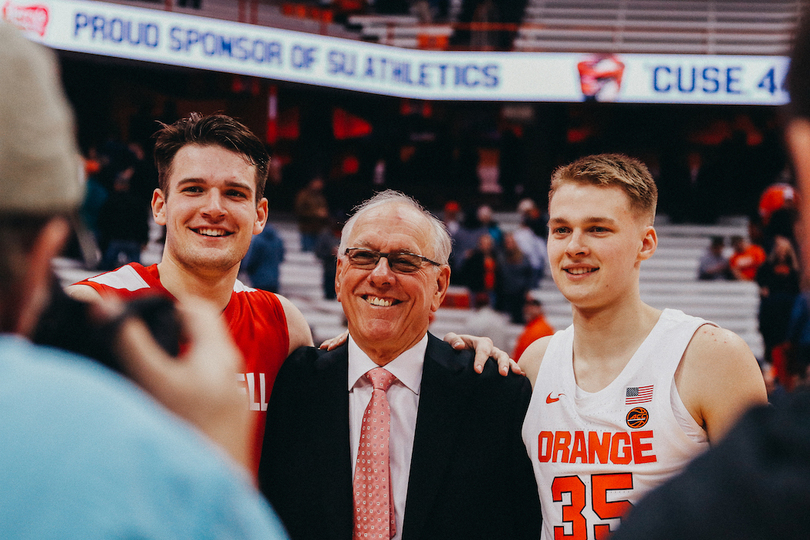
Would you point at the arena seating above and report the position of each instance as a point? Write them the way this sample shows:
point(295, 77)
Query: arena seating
point(275, 14)
point(658, 26)
point(593, 26)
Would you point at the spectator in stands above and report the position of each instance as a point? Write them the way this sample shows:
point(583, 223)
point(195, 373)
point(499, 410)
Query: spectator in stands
point(451, 217)
point(312, 212)
point(775, 197)
point(797, 137)
point(777, 213)
point(484, 214)
point(262, 264)
point(533, 247)
point(466, 238)
point(94, 192)
point(485, 37)
point(536, 324)
point(746, 259)
point(530, 215)
point(778, 280)
point(714, 264)
point(326, 249)
point(122, 225)
point(514, 279)
point(480, 270)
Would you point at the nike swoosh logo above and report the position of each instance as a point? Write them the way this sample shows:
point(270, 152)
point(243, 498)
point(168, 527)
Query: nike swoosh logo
point(550, 399)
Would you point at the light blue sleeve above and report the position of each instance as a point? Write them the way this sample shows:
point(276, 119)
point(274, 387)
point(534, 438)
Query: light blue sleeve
point(84, 454)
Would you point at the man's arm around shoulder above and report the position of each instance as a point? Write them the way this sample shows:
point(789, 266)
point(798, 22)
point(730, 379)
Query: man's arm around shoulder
point(719, 379)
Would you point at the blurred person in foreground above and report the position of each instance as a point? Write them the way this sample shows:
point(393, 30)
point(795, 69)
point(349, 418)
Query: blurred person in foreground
point(86, 454)
point(627, 395)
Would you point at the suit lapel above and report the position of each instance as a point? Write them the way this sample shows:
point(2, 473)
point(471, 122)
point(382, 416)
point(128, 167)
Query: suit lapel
point(441, 402)
point(333, 454)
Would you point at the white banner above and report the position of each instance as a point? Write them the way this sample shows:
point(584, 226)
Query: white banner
point(198, 42)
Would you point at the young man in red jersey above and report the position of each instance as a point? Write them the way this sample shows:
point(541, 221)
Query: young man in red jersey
point(212, 172)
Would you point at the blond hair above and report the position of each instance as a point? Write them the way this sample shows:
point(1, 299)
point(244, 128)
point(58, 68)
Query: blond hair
point(609, 170)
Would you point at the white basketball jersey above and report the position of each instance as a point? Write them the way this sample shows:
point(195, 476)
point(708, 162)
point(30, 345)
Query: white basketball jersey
point(595, 455)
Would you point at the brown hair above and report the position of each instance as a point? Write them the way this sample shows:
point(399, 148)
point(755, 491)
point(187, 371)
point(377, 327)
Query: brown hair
point(608, 170)
point(216, 129)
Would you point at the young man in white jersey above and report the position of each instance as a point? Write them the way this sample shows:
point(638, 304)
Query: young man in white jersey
point(628, 394)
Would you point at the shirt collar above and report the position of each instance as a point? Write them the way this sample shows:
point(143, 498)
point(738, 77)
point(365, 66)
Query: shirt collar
point(407, 367)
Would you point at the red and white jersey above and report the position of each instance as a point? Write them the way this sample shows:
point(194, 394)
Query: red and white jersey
point(596, 454)
point(255, 319)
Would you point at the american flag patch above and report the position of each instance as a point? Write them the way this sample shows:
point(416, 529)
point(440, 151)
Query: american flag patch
point(638, 394)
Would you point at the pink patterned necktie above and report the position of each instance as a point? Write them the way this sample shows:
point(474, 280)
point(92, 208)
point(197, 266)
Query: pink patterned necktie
point(373, 503)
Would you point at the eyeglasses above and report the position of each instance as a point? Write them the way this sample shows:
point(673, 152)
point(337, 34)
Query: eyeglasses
point(400, 262)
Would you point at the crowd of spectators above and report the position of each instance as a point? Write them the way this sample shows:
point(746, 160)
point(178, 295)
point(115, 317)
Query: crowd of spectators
point(768, 256)
point(498, 268)
point(116, 205)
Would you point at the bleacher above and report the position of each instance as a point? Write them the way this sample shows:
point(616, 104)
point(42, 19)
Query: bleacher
point(402, 31)
point(283, 15)
point(658, 26)
point(593, 26)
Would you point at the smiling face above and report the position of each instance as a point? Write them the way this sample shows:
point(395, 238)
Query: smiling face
point(388, 313)
point(210, 210)
point(596, 243)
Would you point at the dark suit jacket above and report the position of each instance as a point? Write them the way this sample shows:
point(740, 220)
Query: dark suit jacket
point(470, 474)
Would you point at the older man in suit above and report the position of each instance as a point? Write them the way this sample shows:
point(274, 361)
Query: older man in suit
point(393, 434)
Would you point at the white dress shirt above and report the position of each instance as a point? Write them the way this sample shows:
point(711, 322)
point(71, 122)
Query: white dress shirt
point(403, 399)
